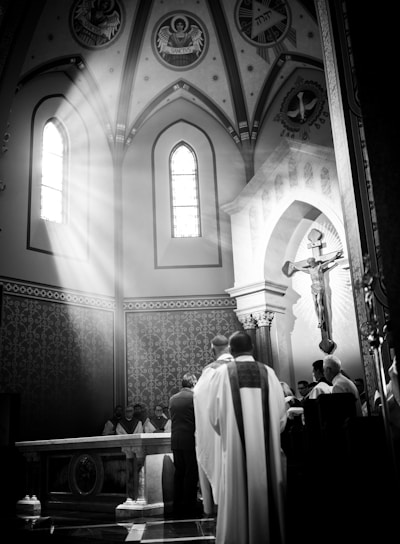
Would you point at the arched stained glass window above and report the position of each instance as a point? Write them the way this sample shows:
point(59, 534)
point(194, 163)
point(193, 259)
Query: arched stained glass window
point(53, 179)
point(185, 192)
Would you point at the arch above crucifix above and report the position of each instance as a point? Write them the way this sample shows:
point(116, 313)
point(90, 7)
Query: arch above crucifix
point(295, 194)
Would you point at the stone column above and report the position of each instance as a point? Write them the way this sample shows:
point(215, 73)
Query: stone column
point(137, 505)
point(33, 481)
point(132, 483)
point(249, 324)
point(263, 336)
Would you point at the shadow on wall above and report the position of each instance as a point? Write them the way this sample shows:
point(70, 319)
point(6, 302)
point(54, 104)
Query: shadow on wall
point(58, 357)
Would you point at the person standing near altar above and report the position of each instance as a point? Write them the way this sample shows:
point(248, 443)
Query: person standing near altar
point(321, 386)
point(208, 442)
point(129, 424)
point(111, 423)
point(158, 423)
point(341, 383)
point(247, 409)
point(183, 448)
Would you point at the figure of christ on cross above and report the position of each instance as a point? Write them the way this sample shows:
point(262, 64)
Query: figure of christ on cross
point(316, 266)
point(316, 269)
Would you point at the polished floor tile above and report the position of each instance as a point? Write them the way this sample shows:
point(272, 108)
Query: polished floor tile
point(196, 530)
point(76, 528)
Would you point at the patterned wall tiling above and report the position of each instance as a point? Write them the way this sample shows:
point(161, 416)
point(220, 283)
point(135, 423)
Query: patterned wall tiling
point(59, 358)
point(168, 337)
point(57, 353)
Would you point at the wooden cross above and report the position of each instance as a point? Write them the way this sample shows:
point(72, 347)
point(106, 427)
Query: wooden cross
point(316, 266)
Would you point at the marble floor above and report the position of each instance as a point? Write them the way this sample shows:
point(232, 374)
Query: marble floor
point(351, 497)
point(314, 516)
point(73, 527)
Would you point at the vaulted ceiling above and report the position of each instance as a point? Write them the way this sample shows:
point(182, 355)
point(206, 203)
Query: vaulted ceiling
point(230, 59)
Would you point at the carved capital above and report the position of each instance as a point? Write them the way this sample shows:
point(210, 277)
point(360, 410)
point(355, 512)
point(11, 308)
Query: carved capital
point(248, 321)
point(264, 319)
point(32, 456)
point(130, 451)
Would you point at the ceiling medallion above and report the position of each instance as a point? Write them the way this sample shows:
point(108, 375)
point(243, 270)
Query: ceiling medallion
point(303, 108)
point(95, 23)
point(265, 25)
point(180, 41)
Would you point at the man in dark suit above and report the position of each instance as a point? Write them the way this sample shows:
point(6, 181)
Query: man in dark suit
point(183, 448)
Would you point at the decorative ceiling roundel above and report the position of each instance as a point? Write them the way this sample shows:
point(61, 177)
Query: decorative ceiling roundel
point(180, 41)
point(95, 23)
point(263, 24)
point(303, 108)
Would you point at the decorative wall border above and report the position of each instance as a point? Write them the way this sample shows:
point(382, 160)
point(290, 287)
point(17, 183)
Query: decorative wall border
point(50, 293)
point(55, 294)
point(178, 303)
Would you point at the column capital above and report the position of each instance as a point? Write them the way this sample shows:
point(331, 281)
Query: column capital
point(264, 318)
point(248, 321)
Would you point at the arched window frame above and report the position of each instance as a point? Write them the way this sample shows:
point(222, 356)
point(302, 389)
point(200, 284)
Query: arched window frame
point(56, 185)
point(185, 201)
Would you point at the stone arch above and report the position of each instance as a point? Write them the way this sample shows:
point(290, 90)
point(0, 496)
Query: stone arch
point(284, 231)
point(295, 335)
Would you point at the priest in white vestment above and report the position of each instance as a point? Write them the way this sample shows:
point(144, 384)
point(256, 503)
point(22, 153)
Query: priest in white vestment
point(208, 442)
point(247, 409)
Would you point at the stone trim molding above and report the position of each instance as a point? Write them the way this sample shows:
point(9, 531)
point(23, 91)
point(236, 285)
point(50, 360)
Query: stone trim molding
point(169, 304)
point(49, 293)
point(69, 296)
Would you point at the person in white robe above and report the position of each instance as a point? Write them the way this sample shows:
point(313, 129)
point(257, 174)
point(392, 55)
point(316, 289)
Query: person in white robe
point(322, 387)
point(247, 409)
point(208, 442)
point(340, 382)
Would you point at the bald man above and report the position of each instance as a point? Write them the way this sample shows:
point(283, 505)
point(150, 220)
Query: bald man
point(332, 366)
point(208, 442)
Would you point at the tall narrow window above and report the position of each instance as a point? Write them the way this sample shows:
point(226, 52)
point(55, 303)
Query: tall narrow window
point(54, 151)
point(185, 193)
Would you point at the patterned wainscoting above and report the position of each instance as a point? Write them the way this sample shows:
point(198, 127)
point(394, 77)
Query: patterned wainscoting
point(57, 354)
point(167, 337)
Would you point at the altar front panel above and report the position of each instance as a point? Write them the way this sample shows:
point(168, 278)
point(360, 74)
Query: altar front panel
point(100, 473)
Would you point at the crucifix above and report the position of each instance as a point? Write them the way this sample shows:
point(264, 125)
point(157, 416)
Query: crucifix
point(316, 266)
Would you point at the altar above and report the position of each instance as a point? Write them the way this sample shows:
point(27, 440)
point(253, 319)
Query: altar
point(131, 475)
